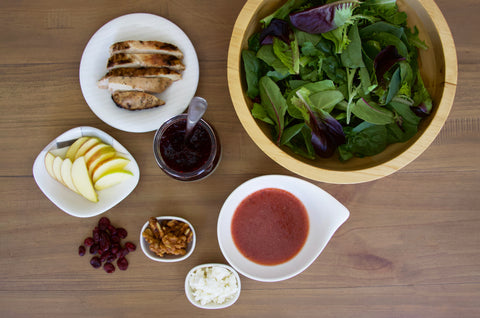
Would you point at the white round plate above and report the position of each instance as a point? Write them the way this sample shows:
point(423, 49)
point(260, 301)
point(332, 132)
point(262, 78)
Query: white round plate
point(71, 202)
point(93, 66)
point(325, 216)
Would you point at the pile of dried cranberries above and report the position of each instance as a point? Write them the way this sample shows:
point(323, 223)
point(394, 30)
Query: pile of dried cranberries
point(105, 246)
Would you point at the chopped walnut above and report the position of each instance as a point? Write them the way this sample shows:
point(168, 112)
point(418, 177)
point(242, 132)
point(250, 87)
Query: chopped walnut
point(168, 237)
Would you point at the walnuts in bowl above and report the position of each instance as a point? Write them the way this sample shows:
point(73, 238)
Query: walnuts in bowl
point(168, 236)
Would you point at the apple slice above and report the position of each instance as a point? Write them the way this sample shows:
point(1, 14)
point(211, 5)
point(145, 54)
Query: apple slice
point(86, 146)
point(49, 158)
point(66, 171)
point(92, 151)
point(82, 181)
point(57, 164)
point(72, 150)
point(114, 164)
point(112, 178)
point(100, 156)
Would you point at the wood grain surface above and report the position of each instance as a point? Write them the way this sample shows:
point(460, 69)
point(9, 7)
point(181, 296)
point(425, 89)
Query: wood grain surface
point(411, 247)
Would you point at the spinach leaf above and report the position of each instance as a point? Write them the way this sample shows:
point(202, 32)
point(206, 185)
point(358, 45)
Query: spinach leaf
point(259, 112)
point(372, 113)
point(406, 126)
point(266, 54)
point(301, 143)
point(252, 67)
point(291, 132)
point(326, 100)
point(394, 85)
point(369, 31)
point(254, 42)
point(364, 140)
point(274, 104)
point(303, 37)
point(352, 56)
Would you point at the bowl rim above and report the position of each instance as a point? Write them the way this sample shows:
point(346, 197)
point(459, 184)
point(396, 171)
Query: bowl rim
point(336, 176)
point(188, 292)
point(146, 251)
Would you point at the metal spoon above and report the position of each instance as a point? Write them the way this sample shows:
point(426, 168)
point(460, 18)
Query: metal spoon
point(196, 109)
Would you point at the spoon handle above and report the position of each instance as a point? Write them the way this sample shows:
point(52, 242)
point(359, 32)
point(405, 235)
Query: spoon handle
point(196, 109)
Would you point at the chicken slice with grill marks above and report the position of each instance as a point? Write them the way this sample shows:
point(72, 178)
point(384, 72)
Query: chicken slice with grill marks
point(145, 60)
point(150, 72)
point(142, 84)
point(135, 100)
point(135, 46)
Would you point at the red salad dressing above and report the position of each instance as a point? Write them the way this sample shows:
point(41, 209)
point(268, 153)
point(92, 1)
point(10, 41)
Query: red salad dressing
point(270, 226)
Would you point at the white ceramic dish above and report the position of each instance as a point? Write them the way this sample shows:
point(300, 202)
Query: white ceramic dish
point(70, 202)
point(325, 215)
point(137, 26)
point(168, 258)
point(191, 297)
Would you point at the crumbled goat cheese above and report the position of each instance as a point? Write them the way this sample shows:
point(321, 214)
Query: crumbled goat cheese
point(215, 285)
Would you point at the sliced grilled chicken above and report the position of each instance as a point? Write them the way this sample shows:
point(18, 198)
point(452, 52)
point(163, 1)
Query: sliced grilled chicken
point(134, 46)
point(150, 72)
point(134, 100)
point(142, 84)
point(145, 60)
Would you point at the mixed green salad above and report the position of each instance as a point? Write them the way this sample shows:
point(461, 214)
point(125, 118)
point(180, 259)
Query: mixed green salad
point(337, 77)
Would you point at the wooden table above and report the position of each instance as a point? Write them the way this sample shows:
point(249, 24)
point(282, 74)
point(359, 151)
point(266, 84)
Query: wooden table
point(411, 247)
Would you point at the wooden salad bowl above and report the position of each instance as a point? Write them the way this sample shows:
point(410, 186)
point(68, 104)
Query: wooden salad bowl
point(438, 66)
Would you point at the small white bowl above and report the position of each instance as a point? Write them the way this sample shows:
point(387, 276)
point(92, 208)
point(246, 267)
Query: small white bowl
point(168, 258)
point(191, 297)
point(325, 216)
point(71, 202)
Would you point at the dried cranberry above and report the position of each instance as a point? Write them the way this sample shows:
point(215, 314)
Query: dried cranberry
point(103, 223)
point(96, 234)
point(111, 229)
point(115, 239)
point(121, 232)
point(94, 249)
point(124, 252)
point(104, 256)
point(95, 262)
point(109, 268)
point(130, 246)
point(81, 250)
point(115, 247)
point(111, 257)
point(88, 241)
point(104, 241)
point(122, 263)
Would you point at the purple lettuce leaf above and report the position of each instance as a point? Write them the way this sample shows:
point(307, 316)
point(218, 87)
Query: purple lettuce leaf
point(277, 28)
point(327, 132)
point(384, 60)
point(324, 18)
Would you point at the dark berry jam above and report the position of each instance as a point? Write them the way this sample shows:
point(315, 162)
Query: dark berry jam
point(185, 155)
point(186, 160)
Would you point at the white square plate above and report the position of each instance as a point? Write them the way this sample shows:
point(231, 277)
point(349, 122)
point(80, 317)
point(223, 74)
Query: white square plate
point(71, 202)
